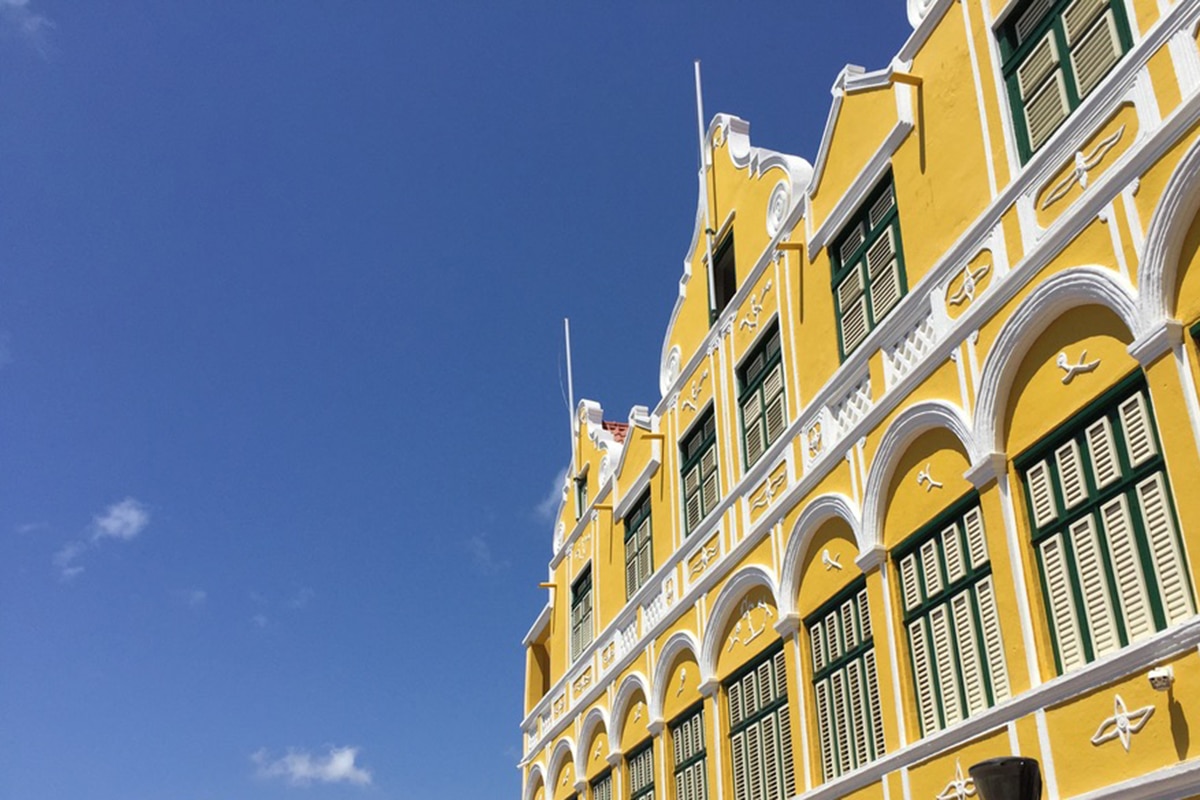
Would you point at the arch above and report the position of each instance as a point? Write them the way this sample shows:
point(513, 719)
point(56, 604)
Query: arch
point(1078, 286)
point(564, 754)
point(908, 425)
point(537, 774)
point(1173, 216)
point(677, 643)
point(815, 514)
point(628, 688)
point(726, 606)
point(595, 718)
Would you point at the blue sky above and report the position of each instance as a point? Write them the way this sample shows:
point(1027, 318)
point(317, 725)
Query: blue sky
point(281, 300)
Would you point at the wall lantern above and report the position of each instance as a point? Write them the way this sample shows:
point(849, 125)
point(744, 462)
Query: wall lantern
point(1008, 778)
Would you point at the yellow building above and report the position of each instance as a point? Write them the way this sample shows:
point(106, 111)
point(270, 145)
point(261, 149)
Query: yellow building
point(919, 489)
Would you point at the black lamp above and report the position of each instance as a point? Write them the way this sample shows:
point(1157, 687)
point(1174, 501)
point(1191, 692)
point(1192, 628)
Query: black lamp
point(1008, 778)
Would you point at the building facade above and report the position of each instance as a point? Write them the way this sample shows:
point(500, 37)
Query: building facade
point(919, 488)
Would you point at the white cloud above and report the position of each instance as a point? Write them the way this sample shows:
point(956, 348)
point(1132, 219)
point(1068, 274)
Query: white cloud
point(482, 558)
point(195, 597)
point(547, 509)
point(260, 620)
point(300, 768)
point(18, 16)
point(66, 557)
point(32, 527)
point(122, 521)
point(301, 598)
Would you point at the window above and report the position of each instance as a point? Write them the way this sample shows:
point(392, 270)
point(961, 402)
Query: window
point(951, 618)
point(641, 773)
point(760, 733)
point(761, 399)
point(602, 787)
point(639, 556)
point(1055, 53)
point(581, 494)
point(868, 268)
point(849, 718)
point(691, 782)
point(724, 275)
point(699, 456)
point(1104, 528)
point(581, 613)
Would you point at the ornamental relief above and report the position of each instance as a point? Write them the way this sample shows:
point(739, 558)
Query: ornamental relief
point(764, 496)
point(1086, 165)
point(755, 312)
point(695, 392)
point(970, 282)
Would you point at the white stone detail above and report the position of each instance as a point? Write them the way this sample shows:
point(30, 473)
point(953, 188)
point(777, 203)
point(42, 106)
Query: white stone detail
point(751, 319)
point(1083, 165)
point(777, 208)
point(853, 406)
point(903, 355)
point(970, 284)
point(744, 631)
point(924, 478)
point(1123, 724)
point(917, 9)
point(831, 562)
point(1082, 367)
point(772, 488)
point(960, 787)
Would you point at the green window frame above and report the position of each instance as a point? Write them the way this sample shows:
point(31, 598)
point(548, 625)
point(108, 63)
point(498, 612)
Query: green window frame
point(949, 598)
point(1107, 539)
point(845, 682)
point(1054, 53)
point(760, 732)
point(639, 550)
point(581, 612)
point(602, 787)
point(868, 267)
point(581, 494)
point(761, 399)
point(724, 275)
point(641, 773)
point(701, 487)
point(687, 739)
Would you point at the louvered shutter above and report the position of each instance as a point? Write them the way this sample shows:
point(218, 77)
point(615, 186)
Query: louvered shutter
point(770, 745)
point(856, 687)
point(1030, 17)
point(852, 306)
point(841, 715)
point(956, 566)
point(849, 632)
point(1102, 450)
point(930, 569)
point(1041, 494)
point(1173, 584)
point(752, 427)
point(691, 490)
point(708, 464)
point(736, 712)
point(1062, 603)
point(880, 207)
point(1043, 93)
point(1070, 474)
point(825, 729)
point(818, 646)
point(645, 558)
point(1139, 435)
point(885, 274)
point(923, 676)
point(908, 582)
point(944, 660)
point(1093, 582)
point(968, 653)
point(786, 768)
point(864, 615)
point(993, 644)
point(754, 760)
point(1094, 52)
point(874, 701)
point(853, 240)
point(1127, 569)
point(976, 537)
point(776, 419)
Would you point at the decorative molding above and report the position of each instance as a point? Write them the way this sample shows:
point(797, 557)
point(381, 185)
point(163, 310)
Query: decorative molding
point(960, 787)
point(682, 681)
point(580, 551)
point(917, 10)
point(1156, 341)
point(831, 562)
point(1123, 724)
point(970, 284)
point(583, 681)
point(608, 654)
point(906, 353)
point(778, 206)
point(751, 320)
point(744, 636)
point(986, 469)
point(697, 385)
point(872, 558)
point(1083, 165)
point(708, 554)
point(769, 491)
point(1082, 367)
point(812, 440)
point(924, 478)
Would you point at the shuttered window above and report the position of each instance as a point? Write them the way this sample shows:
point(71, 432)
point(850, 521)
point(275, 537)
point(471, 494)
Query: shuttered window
point(761, 398)
point(698, 452)
point(1055, 53)
point(1104, 528)
point(687, 738)
point(868, 268)
point(849, 715)
point(602, 787)
point(950, 614)
point(641, 773)
point(724, 275)
point(581, 613)
point(638, 552)
point(760, 733)
point(581, 494)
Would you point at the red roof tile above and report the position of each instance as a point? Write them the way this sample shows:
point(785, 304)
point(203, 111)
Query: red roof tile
point(619, 430)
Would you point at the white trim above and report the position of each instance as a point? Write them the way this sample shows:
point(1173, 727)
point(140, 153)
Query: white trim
point(817, 511)
point(1047, 755)
point(1189, 389)
point(893, 654)
point(1016, 563)
point(738, 586)
point(1109, 217)
point(597, 716)
point(679, 642)
point(543, 619)
point(1175, 782)
point(1186, 60)
point(620, 707)
point(1177, 208)
point(977, 77)
point(802, 708)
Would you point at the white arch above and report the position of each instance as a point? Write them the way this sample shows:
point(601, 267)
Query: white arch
point(909, 424)
point(1173, 216)
point(536, 773)
point(677, 643)
point(819, 511)
point(628, 688)
point(564, 753)
point(1078, 286)
point(726, 606)
point(596, 717)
